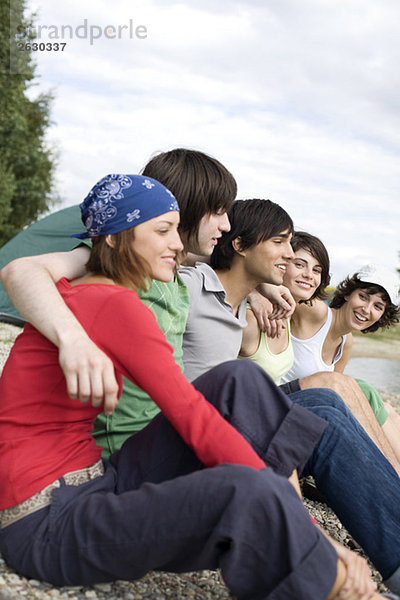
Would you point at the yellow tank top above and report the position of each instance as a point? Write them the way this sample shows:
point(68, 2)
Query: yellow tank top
point(276, 365)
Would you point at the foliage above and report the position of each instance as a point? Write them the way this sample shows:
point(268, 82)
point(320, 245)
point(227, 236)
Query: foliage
point(26, 163)
point(391, 334)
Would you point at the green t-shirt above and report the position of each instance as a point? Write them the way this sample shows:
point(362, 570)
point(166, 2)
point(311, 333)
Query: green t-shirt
point(170, 305)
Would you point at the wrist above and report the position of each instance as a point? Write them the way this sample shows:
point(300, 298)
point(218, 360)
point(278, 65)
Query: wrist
point(66, 336)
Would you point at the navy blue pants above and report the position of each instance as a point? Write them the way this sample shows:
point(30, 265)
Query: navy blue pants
point(157, 508)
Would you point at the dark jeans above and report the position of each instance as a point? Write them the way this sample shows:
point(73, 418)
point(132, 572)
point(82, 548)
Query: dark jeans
point(157, 508)
point(359, 483)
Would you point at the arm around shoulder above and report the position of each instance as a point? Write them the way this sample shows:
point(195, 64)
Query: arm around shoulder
point(30, 283)
point(43, 305)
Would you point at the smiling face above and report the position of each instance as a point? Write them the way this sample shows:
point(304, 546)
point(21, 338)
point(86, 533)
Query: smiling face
point(362, 309)
point(267, 261)
point(303, 275)
point(158, 242)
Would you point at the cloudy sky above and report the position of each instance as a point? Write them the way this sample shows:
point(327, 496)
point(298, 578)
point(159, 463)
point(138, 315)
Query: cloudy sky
point(299, 99)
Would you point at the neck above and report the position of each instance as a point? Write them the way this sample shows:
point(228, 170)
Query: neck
point(189, 259)
point(237, 284)
point(338, 327)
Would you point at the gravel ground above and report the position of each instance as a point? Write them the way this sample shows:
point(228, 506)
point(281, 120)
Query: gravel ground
point(203, 585)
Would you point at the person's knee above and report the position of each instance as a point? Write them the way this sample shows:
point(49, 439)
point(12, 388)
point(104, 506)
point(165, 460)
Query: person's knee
point(251, 484)
point(325, 379)
point(243, 367)
point(242, 371)
point(318, 397)
point(331, 414)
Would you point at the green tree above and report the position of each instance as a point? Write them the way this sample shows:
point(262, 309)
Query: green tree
point(26, 162)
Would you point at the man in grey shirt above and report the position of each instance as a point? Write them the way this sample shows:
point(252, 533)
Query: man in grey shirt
point(210, 315)
point(217, 314)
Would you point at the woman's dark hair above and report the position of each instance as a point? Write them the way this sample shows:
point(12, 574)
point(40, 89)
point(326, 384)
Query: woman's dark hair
point(119, 262)
point(253, 221)
point(200, 183)
point(302, 240)
point(349, 285)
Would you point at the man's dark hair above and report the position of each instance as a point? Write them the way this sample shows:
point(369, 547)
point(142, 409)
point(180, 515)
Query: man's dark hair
point(253, 221)
point(349, 285)
point(200, 183)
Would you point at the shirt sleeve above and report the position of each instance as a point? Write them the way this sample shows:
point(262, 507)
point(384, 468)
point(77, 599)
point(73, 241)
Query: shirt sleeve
point(193, 279)
point(128, 332)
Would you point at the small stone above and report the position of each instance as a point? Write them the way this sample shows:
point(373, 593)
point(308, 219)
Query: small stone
point(103, 587)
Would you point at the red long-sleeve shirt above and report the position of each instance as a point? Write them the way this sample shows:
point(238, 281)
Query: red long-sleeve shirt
point(44, 434)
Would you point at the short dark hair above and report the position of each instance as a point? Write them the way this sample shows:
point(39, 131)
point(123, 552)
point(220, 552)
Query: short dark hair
point(309, 242)
point(349, 285)
point(120, 263)
point(253, 221)
point(199, 182)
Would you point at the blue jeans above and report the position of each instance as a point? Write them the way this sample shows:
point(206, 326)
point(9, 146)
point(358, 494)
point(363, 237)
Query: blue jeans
point(359, 483)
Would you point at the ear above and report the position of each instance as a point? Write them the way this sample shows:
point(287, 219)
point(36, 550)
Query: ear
point(110, 240)
point(237, 246)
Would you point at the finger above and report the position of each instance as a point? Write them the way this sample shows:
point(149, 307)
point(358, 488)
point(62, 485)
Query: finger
point(84, 391)
point(260, 321)
point(72, 384)
point(111, 390)
point(279, 310)
point(268, 328)
point(271, 329)
point(359, 583)
point(96, 386)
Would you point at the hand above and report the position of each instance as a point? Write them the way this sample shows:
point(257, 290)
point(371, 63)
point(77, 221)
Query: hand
point(275, 302)
point(281, 300)
point(89, 373)
point(275, 328)
point(358, 584)
point(262, 309)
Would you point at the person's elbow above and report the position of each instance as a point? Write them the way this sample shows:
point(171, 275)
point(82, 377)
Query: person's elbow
point(14, 271)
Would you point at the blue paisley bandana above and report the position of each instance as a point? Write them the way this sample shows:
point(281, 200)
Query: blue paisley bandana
point(118, 202)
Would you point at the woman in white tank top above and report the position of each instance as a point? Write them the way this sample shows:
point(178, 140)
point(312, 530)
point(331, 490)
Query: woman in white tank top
point(321, 336)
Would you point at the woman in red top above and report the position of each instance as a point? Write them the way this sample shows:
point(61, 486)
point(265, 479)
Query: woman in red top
point(188, 492)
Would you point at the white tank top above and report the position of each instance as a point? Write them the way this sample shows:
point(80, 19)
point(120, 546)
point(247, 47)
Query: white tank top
point(308, 353)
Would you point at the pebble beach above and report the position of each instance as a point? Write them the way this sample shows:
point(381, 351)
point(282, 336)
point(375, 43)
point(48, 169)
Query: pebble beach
point(203, 585)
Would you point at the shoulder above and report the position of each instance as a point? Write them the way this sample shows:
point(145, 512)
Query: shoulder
point(315, 313)
point(96, 298)
point(348, 342)
point(200, 277)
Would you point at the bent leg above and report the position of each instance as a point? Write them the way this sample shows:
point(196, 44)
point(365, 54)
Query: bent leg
point(359, 483)
point(352, 395)
point(282, 433)
point(391, 428)
point(250, 524)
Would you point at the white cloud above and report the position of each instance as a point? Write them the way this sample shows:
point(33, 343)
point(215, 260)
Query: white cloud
point(298, 99)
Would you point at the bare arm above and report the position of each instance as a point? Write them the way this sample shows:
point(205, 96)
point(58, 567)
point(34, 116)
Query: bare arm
point(341, 364)
point(251, 335)
point(88, 371)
